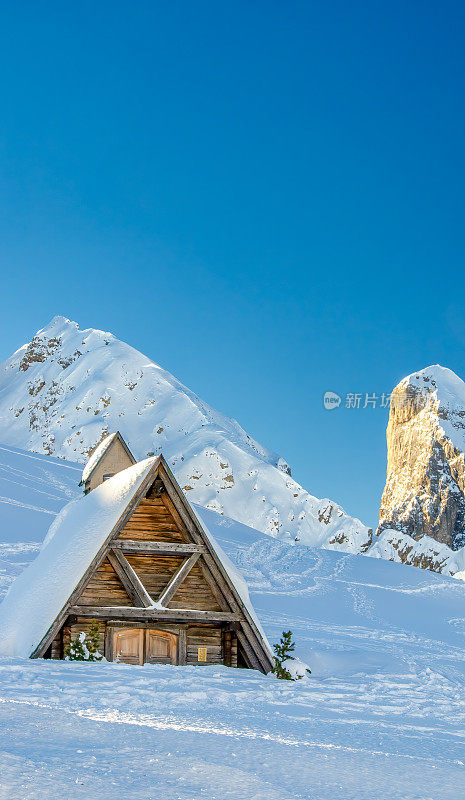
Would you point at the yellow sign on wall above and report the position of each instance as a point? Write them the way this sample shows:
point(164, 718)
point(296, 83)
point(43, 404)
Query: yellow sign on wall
point(201, 654)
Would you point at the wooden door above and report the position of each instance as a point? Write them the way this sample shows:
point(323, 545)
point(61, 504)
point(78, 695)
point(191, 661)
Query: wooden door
point(144, 645)
point(128, 646)
point(160, 647)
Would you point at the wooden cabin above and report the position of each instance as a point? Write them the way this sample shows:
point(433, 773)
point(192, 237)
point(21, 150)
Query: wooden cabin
point(133, 555)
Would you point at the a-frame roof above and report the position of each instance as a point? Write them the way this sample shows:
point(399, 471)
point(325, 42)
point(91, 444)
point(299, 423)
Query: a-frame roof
point(100, 451)
point(79, 539)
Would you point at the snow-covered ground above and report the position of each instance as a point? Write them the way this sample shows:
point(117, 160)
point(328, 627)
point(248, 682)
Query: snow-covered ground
point(383, 714)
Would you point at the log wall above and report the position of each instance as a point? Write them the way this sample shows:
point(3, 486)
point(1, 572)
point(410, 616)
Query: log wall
point(105, 589)
point(152, 520)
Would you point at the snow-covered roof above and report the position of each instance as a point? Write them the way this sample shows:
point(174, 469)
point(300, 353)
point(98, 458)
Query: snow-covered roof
point(98, 454)
point(42, 590)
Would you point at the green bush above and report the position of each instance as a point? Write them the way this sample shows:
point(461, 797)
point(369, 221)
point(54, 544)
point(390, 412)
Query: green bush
point(85, 646)
point(284, 650)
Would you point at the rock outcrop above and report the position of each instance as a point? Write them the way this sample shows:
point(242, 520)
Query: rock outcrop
point(425, 553)
point(425, 487)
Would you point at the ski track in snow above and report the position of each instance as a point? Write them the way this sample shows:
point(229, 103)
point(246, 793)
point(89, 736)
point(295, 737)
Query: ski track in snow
point(11, 502)
point(43, 459)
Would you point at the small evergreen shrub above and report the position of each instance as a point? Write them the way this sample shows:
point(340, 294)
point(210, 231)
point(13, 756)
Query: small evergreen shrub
point(85, 646)
point(284, 658)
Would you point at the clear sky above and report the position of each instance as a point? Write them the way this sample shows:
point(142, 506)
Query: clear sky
point(266, 198)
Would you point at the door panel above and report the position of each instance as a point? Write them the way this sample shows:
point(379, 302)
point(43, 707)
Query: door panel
point(160, 647)
point(144, 645)
point(128, 646)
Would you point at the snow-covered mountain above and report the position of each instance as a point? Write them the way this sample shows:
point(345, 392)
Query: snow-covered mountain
point(64, 391)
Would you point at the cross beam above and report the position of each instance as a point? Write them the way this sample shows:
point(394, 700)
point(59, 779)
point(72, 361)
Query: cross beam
point(123, 613)
point(131, 582)
point(175, 582)
point(148, 547)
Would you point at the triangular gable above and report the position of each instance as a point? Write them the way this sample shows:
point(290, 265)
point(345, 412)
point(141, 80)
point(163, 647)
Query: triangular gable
point(200, 560)
point(101, 451)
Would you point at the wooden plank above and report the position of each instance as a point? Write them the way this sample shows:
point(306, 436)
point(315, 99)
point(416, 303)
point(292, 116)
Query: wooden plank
point(149, 536)
point(227, 647)
point(212, 649)
point(182, 647)
point(206, 638)
point(156, 614)
point(234, 650)
point(131, 582)
point(152, 524)
point(109, 643)
point(174, 504)
point(177, 579)
point(146, 548)
point(171, 627)
point(154, 520)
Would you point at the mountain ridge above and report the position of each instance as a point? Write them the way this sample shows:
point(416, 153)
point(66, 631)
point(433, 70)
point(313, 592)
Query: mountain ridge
point(64, 391)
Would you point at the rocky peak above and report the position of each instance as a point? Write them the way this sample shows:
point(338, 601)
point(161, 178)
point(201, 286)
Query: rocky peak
point(425, 485)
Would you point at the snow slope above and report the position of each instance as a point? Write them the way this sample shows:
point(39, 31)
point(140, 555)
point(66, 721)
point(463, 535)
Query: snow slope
point(383, 714)
point(67, 389)
point(33, 489)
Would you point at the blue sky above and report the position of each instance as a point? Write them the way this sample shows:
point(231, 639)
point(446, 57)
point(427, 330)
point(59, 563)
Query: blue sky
point(266, 198)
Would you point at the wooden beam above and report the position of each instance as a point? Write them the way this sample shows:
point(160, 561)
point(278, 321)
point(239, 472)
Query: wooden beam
point(155, 614)
point(249, 652)
point(175, 503)
point(214, 588)
point(182, 647)
point(175, 582)
point(131, 582)
point(148, 547)
point(108, 649)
